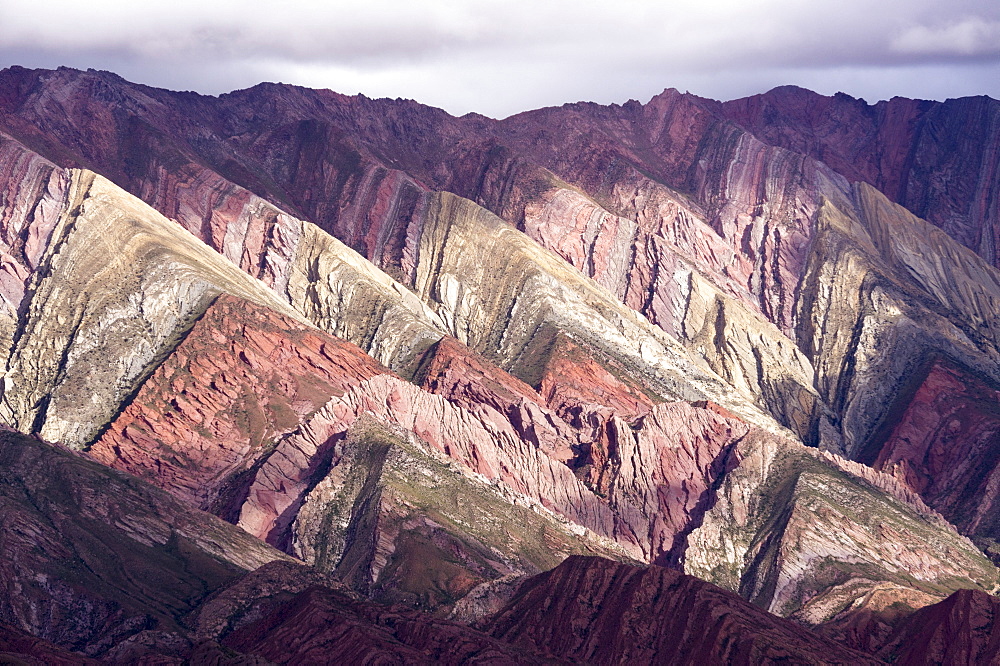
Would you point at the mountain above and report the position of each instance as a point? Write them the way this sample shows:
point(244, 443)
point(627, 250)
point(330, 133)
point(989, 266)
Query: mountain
point(433, 357)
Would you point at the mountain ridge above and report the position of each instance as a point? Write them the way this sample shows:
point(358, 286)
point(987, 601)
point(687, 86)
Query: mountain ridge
point(621, 322)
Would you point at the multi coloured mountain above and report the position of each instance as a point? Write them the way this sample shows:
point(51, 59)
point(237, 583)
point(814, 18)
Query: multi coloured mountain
point(296, 377)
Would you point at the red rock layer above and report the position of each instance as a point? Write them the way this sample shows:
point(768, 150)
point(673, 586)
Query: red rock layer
point(242, 377)
point(945, 444)
point(469, 381)
point(587, 395)
point(591, 610)
point(662, 472)
point(656, 481)
point(576, 386)
point(99, 562)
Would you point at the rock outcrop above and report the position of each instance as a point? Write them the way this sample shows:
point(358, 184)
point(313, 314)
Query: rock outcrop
point(943, 443)
point(962, 629)
point(286, 616)
point(363, 329)
point(401, 524)
point(938, 159)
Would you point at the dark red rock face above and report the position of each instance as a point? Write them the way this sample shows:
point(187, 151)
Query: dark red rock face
point(18, 647)
point(962, 629)
point(946, 446)
point(320, 626)
point(244, 376)
point(590, 610)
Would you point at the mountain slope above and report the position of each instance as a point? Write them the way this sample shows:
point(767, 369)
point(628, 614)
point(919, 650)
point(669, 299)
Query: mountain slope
point(363, 329)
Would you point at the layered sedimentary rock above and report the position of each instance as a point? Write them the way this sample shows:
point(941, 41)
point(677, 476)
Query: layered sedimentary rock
point(656, 201)
point(603, 310)
point(343, 293)
point(243, 377)
point(943, 444)
point(287, 616)
point(34, 194)
point(802, 533)
point(20, 647)
point(745, 209)
point(469, 381)
point(595, 611)
point(99, 564)
point(874, 307)
point(937, 159)
point(491, 448)
point(510, 303)
point(578, 382)
point(399, 523)
point(82, 347)
point(962, 629)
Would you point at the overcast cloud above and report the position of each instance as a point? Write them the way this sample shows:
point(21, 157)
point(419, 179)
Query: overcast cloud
point(500, 57)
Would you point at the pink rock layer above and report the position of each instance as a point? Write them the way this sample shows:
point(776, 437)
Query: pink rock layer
point(35, 193)
point(727, 188)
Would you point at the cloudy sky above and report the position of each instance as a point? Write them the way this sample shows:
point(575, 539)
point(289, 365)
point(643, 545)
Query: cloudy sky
point(499, 57)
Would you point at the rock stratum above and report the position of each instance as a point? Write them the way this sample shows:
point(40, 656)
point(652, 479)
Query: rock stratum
point(328, 375)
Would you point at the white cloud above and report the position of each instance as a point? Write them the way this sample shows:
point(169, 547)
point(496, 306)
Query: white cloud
point(970, 37)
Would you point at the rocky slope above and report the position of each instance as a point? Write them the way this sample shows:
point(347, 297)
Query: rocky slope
point(908, 149)
point(93, 558)
point(943, 445)
point(243, 377)
point(363, 329)
point(81, 348)
point(808, 535)
point(959, 630)
point(99, 563)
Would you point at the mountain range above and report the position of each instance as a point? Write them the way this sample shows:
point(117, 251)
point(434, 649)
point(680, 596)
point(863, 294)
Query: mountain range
point(297, 377)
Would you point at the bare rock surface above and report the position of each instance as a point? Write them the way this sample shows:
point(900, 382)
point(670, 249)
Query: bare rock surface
point(286, 622)
point(908, 149)
point(83, 347)
point(243, 377)
point(802, 534)
point(962, 629)
point(943, 444)
point(400, 524)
